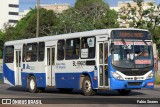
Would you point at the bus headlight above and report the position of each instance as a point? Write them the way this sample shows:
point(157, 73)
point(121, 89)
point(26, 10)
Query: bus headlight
point(116, 75)
point(150, 76)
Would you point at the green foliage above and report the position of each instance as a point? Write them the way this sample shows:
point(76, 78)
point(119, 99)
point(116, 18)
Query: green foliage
point(138, 17)
point(110, 19)
point(86, 5)
point(1, 43)
point(94, 11)
point(157, 79)
point(5, 36)
point(87, 15)
point(26, 27)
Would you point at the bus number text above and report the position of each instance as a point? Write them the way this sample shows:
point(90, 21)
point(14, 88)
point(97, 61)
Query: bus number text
point(79, 63)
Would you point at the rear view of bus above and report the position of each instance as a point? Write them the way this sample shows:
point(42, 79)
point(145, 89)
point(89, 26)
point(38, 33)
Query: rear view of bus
point(131, 64)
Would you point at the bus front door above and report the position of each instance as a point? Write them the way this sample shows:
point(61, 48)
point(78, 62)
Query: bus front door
point(50, 75)
point(18, 67)
point(103, 64)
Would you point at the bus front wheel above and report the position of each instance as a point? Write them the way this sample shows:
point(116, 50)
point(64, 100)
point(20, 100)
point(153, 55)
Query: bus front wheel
point(87, 87)
point(32, 85)
point(124, 91)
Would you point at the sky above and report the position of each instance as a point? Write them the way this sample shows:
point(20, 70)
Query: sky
point(27, 4)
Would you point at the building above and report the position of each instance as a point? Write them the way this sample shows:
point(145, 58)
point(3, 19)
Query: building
point(57, 8)
point(9, 12)
point(124, 5)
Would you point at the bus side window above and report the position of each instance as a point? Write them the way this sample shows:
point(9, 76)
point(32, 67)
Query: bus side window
point(31, 53)
point(9, 54)
point(72, 48)
point(60, 49)
point(41, 51)
point(88, 47)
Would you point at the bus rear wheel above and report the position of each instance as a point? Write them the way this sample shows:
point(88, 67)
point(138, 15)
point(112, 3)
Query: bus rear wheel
point(87, 87)
point(32, 85)
point(124, 91)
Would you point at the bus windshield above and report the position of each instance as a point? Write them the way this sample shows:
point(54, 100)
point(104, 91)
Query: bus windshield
point(135, 54)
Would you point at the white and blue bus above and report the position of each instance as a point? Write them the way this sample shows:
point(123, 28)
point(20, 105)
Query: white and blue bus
point(113, 59)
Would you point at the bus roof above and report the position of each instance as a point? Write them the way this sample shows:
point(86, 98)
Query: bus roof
point(69, 35)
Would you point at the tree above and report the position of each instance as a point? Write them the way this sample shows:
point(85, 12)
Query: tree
point(110, 19)
point(86, 5)
point(87, 15)
point(26, 27)
point(72, 21)
point(92, 10)
point(138, 17)
point(8, 32)
point(1, 43)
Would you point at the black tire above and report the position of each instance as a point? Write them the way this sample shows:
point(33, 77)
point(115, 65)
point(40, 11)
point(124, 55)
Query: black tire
point(87, 87)
point(65, 90)
point(32, 85)
point(124, 92)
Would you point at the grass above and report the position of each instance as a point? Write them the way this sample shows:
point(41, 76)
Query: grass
point(157, 79)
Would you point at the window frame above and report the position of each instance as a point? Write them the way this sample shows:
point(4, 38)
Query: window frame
point(88, 48)
point(41, 51)
point(12, 54)
point(36, 52)
point(74, 48)
point(62, 49)
point(24, 53)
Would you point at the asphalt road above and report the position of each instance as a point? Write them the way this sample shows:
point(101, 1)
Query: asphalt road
point(7, 91)
point(102, 96)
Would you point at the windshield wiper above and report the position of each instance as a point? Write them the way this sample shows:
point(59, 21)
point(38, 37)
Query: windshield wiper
point(144, 42)
point(123, 41)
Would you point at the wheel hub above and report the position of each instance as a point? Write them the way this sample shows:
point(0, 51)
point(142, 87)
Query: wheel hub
point(32, 84)
point(87, 86)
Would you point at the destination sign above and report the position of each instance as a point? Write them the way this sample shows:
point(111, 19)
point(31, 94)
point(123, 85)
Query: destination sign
point(130, 34)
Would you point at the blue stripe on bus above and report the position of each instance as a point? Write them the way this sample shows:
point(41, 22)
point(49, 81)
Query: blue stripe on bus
point(110, 68)
point(69, 81)
point(40, 79)
point(72, 80)
point(9, 74)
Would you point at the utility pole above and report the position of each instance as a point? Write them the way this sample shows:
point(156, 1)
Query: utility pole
point(38, 8)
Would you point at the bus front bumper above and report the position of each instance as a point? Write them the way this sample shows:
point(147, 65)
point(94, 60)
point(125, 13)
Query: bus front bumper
point(134, 84)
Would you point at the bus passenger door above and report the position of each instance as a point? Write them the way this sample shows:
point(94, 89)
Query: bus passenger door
point(18, 67)
point(50, 75)
point(103, 64)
